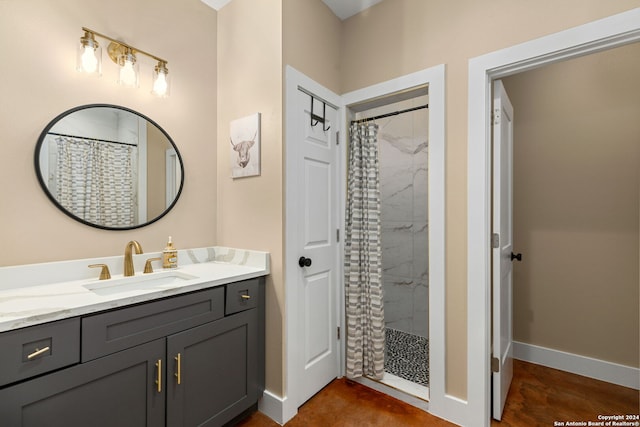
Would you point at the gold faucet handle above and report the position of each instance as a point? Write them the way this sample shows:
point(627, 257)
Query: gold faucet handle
point(148, 268)
point(104, 273)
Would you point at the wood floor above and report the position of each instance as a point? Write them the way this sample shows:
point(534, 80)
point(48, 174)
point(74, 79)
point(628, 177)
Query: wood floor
point(538, 396)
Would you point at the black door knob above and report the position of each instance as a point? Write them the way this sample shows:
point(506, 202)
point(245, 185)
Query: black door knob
point(516, 256)
point(304, 262)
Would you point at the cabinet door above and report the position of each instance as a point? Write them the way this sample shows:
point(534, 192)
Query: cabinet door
point(218, 371)
point(116, 390)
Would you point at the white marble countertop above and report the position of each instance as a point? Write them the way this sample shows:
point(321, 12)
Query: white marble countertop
point(38, 293)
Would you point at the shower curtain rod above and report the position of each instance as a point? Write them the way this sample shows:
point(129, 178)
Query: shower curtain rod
point(395, 113)
point(91, 139)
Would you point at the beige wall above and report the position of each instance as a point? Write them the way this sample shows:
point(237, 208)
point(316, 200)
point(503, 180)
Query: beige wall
point(312, 39)
point(38, 42)
point(250, 210)
point(255, 41)
point(576, 183)
point(415, 34)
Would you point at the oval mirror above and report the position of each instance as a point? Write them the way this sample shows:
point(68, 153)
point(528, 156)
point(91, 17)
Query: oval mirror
point(109, 167)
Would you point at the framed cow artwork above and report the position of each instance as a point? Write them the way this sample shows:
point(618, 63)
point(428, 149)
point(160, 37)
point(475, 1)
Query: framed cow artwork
point(245, 146)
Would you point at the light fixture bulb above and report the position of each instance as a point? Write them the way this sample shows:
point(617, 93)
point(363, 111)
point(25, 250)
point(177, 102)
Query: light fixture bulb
point(127, 74)
point(128, 69)
point(89, 58)
point(161, 80)
point(160, 85)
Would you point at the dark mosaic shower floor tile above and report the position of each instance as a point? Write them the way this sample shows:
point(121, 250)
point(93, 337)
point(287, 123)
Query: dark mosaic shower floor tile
point(407, 356)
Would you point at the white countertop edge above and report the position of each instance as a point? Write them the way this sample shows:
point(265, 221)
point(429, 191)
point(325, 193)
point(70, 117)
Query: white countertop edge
point(38, 303)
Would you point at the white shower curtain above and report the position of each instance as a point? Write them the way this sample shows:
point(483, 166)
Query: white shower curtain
point(363, 263)
point(95, 181)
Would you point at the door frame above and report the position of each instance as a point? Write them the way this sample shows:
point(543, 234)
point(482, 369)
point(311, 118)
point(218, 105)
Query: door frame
point(294, 80)
point(440, 403)
point(596, 36)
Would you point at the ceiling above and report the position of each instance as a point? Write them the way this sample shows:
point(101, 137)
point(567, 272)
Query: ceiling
point(343, 9)
point(346, 8)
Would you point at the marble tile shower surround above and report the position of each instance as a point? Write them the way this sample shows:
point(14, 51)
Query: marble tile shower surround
point(403, 149)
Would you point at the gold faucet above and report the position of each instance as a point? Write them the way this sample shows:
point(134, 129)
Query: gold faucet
point(128, 258)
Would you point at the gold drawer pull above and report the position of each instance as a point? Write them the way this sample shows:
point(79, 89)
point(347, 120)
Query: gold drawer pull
point(159, 380)
point(178, 373)
point(38, 352)
point(245, 296)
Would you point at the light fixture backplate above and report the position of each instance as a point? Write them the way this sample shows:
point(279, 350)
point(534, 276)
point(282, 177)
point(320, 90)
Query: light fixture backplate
point(116, 50)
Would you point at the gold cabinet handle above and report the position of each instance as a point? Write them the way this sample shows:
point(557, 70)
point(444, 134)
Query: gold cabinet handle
point(38, 352)
point(159, 380)
point(245, 296)
point(178, 373)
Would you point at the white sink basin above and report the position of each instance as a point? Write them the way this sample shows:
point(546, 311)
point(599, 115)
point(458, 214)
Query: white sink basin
point(151, 281)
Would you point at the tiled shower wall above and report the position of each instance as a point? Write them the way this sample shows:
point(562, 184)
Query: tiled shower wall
point(403, 151)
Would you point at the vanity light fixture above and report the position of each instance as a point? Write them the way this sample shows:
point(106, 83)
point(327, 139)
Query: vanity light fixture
point(89, 61)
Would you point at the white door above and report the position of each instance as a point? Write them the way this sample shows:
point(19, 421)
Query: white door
point(317, 214)
point(502, 362)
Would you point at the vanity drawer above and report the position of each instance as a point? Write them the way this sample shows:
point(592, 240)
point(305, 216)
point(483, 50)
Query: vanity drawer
point(38, 349)
point(119, 329)
point(241, 296)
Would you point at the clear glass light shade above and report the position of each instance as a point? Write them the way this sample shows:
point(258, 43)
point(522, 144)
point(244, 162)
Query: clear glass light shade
point(129, 70)
point(161, 81)
point(89, 60)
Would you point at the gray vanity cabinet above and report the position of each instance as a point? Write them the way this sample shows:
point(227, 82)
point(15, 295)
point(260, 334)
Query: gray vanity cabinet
point(116, 390)
point(217, 367)
point(195, 359)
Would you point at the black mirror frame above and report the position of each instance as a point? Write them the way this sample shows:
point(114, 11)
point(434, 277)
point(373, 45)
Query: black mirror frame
point(51, 197)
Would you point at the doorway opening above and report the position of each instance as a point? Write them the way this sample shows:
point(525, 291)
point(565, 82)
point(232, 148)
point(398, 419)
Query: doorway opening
point(431, 82)
point(402, 120)
point(599, 35)
point(561, 166)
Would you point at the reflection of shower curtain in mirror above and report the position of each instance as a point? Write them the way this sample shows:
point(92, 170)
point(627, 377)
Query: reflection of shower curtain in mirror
point(95, 181)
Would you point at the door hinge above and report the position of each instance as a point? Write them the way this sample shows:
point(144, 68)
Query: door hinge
point(496, 117)
point(338, 138)
point(495, 364)
point(495, 240)
point(338, 332)
point(338, 235)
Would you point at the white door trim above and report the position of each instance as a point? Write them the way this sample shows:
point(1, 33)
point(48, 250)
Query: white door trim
point(293, 81)
point(440, 404)
point(596, 36)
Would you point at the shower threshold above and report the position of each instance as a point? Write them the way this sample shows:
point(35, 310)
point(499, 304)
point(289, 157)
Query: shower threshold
point(404, 390)
point(405, 386)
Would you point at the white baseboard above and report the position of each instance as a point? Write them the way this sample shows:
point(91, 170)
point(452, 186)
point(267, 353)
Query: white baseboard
point(626, 376)
point(273, 407)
